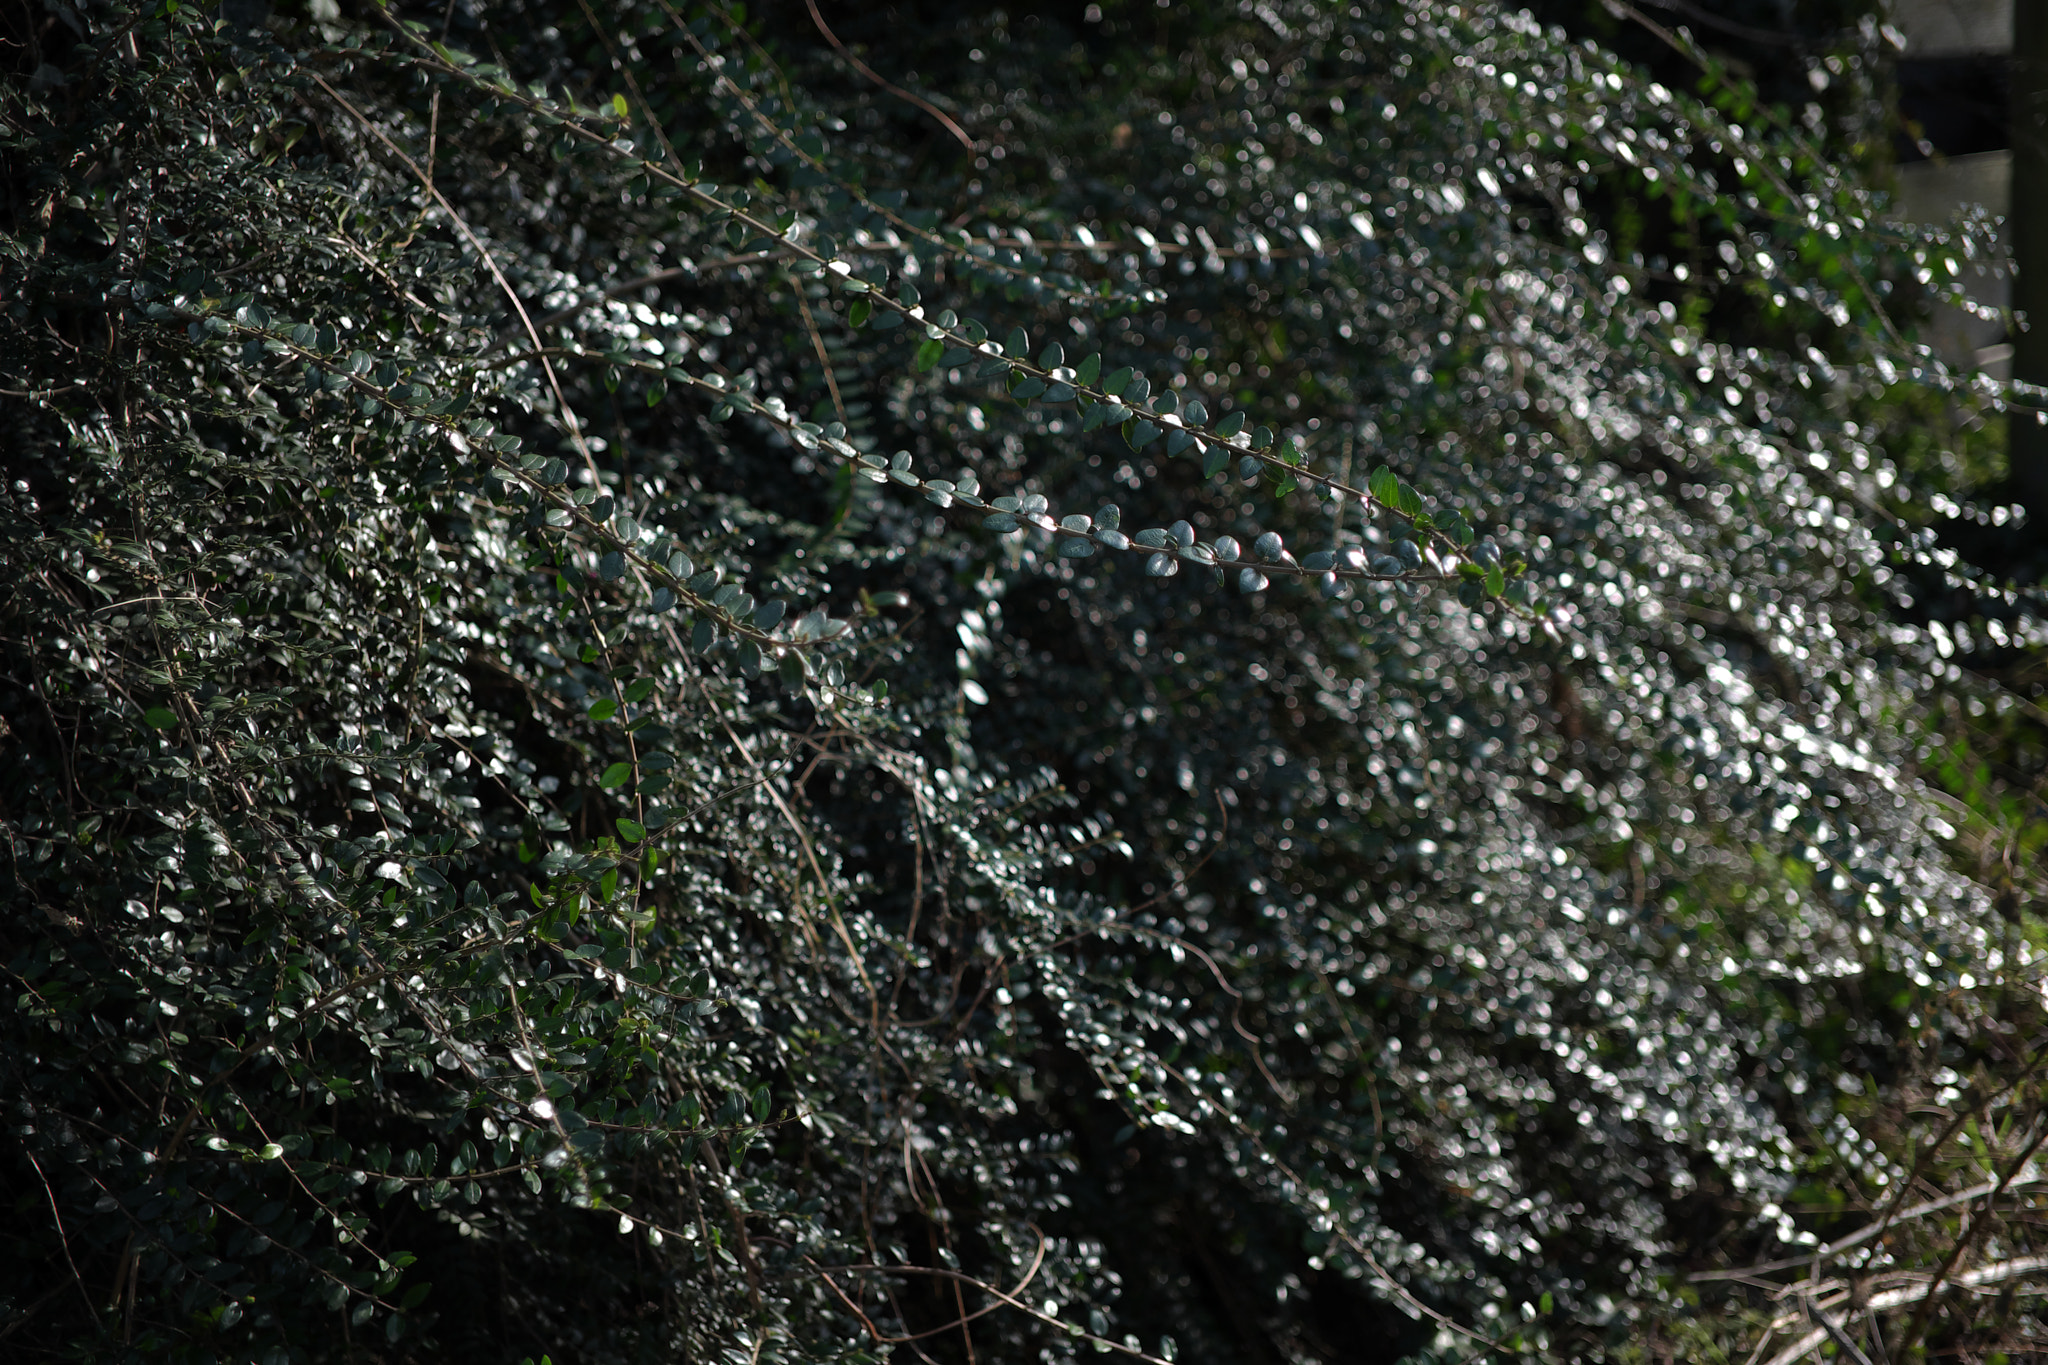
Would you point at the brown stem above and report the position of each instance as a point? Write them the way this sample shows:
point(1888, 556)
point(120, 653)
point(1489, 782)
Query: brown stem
point(64, 1238)
point(959, 133)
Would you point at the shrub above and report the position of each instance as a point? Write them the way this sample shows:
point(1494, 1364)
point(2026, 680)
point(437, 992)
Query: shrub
point(652, 714)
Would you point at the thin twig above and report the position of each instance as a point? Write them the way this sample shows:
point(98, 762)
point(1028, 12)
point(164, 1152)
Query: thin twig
point(490, 264)
point(1861, 1235)
point(64, 1238)
point(824, 361)
point(959, 133)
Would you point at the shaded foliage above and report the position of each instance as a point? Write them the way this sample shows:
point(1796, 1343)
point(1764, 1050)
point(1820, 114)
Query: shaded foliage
point(655, 712)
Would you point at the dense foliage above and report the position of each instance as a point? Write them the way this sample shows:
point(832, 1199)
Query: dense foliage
point(665, 701)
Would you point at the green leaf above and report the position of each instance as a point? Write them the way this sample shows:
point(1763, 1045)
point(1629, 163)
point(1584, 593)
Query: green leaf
point(1385, 486)
point(160, 717)
point(603, 710)
point(928, 355)
point(640, 691)
point(1088, 371)
point(863, 308)
point(618, 775)
point(632, 831)
point(1117, 380)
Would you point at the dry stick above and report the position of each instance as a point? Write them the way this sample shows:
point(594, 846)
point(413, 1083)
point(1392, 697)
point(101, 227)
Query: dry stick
point(1860, 1236)
point(959, 133)
point(853, 1307)
point(959, 1294)
point(1998, 1273)
point(1101, 1343)
point(1893, 1213)
point(824, 361)
point(490, 264)
point(1030, 1273)
point(121, 1269)
point(1918, 1323)
point(824, 887)
point(64, 1238)
point(370, 263)
point(2039, 1048)
point(1834, 1329)
point(1236, 996)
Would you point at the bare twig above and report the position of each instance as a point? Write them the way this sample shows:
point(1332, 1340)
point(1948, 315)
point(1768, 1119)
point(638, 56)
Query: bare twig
point(63, 1238)
point(959, 133)
point(1861, 1235)
point(1980, 1278)
point(824, 360)
point(490, 263)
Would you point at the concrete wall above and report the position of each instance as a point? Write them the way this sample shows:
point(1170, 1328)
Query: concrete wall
point(1934, 190)
point(1954, 28)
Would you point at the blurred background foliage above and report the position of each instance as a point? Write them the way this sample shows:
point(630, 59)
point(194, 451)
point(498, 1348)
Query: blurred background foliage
point(1283, 681)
